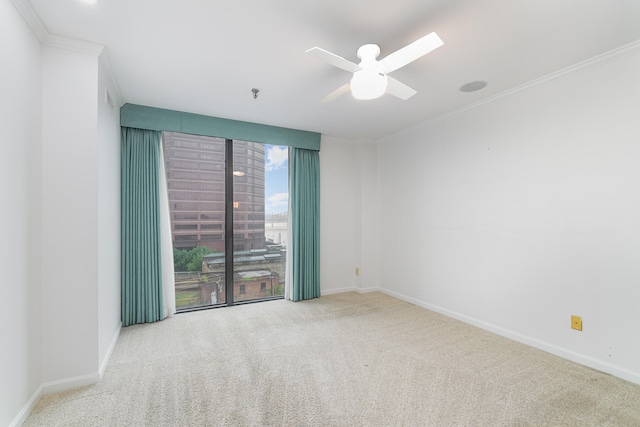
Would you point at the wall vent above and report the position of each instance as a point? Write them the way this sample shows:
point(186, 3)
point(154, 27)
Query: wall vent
point(108, 99)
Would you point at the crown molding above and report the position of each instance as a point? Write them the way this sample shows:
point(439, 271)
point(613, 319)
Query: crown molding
point(42, 33)
point(596, 61)
point(32, 19)
point(77, 45)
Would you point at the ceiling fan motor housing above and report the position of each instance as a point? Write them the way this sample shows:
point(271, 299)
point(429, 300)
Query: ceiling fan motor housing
point(368, 52)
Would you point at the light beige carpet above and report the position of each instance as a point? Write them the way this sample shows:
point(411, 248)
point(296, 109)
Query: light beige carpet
point(340, 360)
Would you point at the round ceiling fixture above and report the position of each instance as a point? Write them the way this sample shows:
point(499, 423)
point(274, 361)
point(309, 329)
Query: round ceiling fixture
point(473, 86)
point(368, 83)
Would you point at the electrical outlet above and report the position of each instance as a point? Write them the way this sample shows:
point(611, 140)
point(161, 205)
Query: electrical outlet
point(357, 271)
point(576, 323)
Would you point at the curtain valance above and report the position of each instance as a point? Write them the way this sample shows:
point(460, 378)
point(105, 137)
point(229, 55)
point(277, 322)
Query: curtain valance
point(150, 118)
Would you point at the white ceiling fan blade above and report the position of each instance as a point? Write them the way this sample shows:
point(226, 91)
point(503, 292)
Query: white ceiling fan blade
point(399, 89)
point(333, 59)
point(336, 93)
point(410, 53)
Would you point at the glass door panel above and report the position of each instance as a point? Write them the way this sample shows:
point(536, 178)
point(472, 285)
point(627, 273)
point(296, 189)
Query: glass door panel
point(195, 168)
point(260, 206)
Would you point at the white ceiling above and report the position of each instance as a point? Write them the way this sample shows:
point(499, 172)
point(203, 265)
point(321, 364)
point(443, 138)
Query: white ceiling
point(205, 56)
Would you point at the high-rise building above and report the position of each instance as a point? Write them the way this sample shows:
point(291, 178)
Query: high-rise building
point(195, 168)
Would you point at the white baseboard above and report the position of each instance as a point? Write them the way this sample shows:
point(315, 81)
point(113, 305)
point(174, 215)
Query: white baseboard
point(26, 410)
point(52, 387)
point(582, 359)
point(105, 361)
point(350, 289)
point(65, 384)
point(69, 383)
point(367, 290)
point(337, 291)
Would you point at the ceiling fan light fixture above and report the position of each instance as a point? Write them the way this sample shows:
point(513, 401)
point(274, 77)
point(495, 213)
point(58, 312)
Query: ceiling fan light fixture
point(370, 80)
point(368, 84)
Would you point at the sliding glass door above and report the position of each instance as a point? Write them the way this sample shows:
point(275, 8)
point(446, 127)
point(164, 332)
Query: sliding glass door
point(260, 193)
point(228, 206)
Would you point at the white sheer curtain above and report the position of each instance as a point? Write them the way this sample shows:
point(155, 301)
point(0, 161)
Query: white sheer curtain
point(288, 272)
point(168, 276)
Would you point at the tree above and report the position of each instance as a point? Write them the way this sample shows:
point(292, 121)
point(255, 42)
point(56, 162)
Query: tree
point(180, 259)
point(195, 264)
point(189, 260)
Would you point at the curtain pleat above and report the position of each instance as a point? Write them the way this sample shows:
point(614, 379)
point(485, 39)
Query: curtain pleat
point(142, 292)
point(305, 223)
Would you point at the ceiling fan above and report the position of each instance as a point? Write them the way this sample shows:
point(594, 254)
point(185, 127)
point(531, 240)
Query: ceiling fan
point(370, 77)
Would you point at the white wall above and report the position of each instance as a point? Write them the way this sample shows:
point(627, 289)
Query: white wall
point(81, 218)
point(52, 245)
point(521, 212)
point(366, 222)
point(337, 214)
point(69, 214)
point(108, 216)
point(20, 187)
point(348, 215)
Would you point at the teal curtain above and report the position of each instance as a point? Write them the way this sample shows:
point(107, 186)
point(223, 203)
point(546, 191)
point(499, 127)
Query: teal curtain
point(141, 280)
point(304, 194)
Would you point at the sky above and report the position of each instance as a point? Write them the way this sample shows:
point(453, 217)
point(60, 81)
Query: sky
point(276, 187)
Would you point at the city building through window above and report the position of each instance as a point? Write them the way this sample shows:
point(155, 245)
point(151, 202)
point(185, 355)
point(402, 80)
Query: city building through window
point(206, 210)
